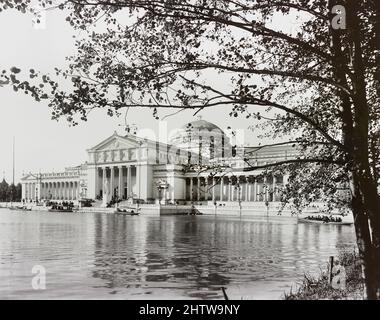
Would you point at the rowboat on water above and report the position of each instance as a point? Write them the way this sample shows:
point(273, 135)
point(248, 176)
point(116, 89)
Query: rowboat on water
point(59, 208)
point(18, 208)
point(342, 223)
point(128, 212)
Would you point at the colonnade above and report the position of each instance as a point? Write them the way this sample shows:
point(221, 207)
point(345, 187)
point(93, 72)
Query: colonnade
point(57, 190)
point(235, 188)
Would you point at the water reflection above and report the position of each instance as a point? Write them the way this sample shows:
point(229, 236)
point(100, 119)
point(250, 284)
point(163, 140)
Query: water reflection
point(109, 256)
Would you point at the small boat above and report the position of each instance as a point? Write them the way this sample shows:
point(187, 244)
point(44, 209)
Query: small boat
point(129, 212)
point(60, 210)
point(20, 208)
point(343, 223)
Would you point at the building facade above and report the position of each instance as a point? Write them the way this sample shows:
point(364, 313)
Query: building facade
point(134, 169)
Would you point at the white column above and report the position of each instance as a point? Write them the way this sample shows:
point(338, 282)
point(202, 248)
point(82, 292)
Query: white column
point(138, 182)
point(129, 182)
point(206, 189)
point(246, 188)
point(68, 191)
point(112, 183)
point(249, 190)
point(255, 190)
point(96, 181)
point(198, 189)
point(120, 187)
point(274, 188)
point(191, 188)
point(104, 180)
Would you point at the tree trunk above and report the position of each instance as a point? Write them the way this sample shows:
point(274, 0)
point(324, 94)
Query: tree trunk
point(366, 201)
point(372, 207)
point(363, 237)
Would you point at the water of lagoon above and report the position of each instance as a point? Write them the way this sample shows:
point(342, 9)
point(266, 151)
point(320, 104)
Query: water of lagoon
point(106, 256)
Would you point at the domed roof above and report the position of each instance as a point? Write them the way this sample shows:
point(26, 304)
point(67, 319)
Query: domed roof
point(201, 125)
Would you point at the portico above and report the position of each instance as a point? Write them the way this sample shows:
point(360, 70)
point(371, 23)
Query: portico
point(120, 179)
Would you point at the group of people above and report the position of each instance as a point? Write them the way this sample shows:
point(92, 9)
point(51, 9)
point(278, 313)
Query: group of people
point(61, 205)
point(325, 219)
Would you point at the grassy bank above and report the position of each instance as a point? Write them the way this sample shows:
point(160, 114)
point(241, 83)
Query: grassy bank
point(319, 288)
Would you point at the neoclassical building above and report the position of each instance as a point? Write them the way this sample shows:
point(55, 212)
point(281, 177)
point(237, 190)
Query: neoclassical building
point(135, 169)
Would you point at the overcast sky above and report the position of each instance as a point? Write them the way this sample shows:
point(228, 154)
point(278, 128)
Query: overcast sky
point(47, 145)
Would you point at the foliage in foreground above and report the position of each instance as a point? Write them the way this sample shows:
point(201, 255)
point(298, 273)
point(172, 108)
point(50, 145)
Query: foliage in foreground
point(318, 288)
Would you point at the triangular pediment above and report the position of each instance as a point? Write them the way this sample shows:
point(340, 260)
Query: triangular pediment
point(28, 177)
point(116, 142)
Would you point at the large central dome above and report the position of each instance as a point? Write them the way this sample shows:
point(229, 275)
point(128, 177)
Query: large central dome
point(201, 125)
point(203, 138)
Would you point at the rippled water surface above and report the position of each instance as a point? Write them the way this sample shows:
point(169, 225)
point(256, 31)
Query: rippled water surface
point(104, 256)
